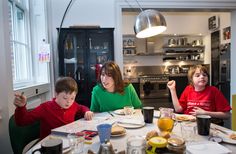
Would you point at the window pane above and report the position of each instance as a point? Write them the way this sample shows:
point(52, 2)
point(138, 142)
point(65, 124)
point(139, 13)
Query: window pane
point(20, 26)
point(21, 61)
point(10, 19)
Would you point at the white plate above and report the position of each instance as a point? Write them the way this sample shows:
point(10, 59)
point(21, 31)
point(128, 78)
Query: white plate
point(118, 135)
point(226, 138)
point(131, 123)
point(120, 112)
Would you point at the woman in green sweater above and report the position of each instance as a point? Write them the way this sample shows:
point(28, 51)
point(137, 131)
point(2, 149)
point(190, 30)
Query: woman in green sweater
point(111, 92)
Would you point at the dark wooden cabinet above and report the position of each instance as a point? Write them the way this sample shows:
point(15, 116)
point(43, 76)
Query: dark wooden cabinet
point(82, 51)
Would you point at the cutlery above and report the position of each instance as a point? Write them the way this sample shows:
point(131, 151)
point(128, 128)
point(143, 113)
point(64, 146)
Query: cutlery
point(130, 123)
point(222, 131)
point(111, 114)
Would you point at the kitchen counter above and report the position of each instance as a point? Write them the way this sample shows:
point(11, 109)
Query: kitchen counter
point(179, 74)
point(132, 79)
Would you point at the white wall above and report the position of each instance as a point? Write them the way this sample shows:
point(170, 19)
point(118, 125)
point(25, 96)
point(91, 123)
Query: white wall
point(6, 90)
point(181, 23)
point(82, 12)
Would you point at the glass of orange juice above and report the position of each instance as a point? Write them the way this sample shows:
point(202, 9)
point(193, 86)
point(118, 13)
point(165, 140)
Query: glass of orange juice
point(165, 123)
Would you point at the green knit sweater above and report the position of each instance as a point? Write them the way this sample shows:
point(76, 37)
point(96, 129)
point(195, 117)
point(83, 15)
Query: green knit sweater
point(103, 100)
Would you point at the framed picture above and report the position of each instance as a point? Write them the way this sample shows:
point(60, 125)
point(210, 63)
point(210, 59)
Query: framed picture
point(226, 33)
point(213, 23)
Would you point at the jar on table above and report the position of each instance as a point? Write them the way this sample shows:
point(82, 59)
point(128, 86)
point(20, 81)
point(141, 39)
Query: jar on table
point(136, 145)
point(177, 145)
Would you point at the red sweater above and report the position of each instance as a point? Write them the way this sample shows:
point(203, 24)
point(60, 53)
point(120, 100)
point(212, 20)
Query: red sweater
point(50, 115)
point(210, 99)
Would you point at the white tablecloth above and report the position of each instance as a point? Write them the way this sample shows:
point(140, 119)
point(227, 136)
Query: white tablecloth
point(118, 143)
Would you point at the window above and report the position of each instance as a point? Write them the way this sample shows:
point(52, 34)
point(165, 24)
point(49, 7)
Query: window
point(25, 17)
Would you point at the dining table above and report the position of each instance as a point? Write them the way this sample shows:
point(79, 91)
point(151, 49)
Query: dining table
point(135, 126)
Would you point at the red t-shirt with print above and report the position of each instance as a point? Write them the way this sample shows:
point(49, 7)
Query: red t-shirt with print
point(210, 99)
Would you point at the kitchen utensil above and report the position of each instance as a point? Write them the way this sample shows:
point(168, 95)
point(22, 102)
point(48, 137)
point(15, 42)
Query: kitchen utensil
point(171, 42)
point(182, 41)
point(197, 43)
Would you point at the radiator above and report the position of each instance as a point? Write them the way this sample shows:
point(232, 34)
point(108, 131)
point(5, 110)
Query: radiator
point(33, 103)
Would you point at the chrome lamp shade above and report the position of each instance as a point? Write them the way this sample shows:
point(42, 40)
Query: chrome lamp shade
point(149, 23)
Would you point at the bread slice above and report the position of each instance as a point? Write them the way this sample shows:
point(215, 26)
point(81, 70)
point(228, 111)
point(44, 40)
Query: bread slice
point(232, 136)
point(116, 130)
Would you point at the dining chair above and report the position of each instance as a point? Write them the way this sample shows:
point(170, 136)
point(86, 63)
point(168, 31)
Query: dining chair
point(20, 136)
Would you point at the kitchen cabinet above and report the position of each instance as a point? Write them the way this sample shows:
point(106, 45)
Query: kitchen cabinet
point(82, 51)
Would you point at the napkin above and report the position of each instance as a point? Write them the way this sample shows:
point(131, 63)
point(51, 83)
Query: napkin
point(131, 121)
point(207, 147)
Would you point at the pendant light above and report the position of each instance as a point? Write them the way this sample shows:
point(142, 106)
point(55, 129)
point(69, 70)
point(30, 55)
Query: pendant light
point(149, 23)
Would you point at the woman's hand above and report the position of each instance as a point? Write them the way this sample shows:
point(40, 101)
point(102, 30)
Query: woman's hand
point(171, 84)
point(20, 100)
point(88, 115)
point(197, 111)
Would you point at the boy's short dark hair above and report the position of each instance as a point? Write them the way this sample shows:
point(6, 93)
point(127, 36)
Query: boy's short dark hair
point(66, 84)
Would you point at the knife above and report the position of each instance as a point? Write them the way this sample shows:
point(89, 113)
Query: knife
point(222, 131)
point(123, 122)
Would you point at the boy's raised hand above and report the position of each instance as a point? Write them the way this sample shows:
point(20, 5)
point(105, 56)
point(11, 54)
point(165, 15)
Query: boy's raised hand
point(20, 100)
point(88, 115)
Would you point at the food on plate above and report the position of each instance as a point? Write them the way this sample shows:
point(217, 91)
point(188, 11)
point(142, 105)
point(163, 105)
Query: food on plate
point(151, 134)
point(185, 118)
point(116, 130)
point(182, 118)
point(165, 134)
point(232, 136)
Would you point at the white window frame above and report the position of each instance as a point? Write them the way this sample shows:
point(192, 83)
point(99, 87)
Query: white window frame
point(38, 73)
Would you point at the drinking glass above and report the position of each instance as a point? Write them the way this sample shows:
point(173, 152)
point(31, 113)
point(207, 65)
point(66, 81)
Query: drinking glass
point(76, 142)
point(136, 145)
point(188, 131)
point(128, 110)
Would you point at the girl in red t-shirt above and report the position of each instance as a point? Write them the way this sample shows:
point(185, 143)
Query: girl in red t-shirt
point(198, 97)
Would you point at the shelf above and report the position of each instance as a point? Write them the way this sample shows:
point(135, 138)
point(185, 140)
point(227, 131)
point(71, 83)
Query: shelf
point(186, 53)
point(129, 55)
point(183, 46)
point(175, 60)
point(129, 47)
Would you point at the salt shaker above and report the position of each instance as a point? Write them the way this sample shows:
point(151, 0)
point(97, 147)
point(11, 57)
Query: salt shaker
point(106, 148)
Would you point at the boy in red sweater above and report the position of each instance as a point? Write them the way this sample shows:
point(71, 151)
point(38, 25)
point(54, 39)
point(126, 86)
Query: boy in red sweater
point(60, 111)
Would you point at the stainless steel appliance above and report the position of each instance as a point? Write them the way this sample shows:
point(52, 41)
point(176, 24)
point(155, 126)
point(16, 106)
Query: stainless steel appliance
point(153, 90)
point(224, 78)
point(220, 65)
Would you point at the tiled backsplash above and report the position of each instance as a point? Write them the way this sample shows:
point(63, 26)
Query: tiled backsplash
point(135, 71)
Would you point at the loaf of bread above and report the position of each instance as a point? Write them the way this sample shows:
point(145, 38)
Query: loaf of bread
point(151, 134)
point(232, 136)
point(116, 130)
point(164, 134)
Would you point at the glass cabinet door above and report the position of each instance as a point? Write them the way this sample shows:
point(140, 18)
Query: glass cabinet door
point(81, 54)
point(101, 50)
